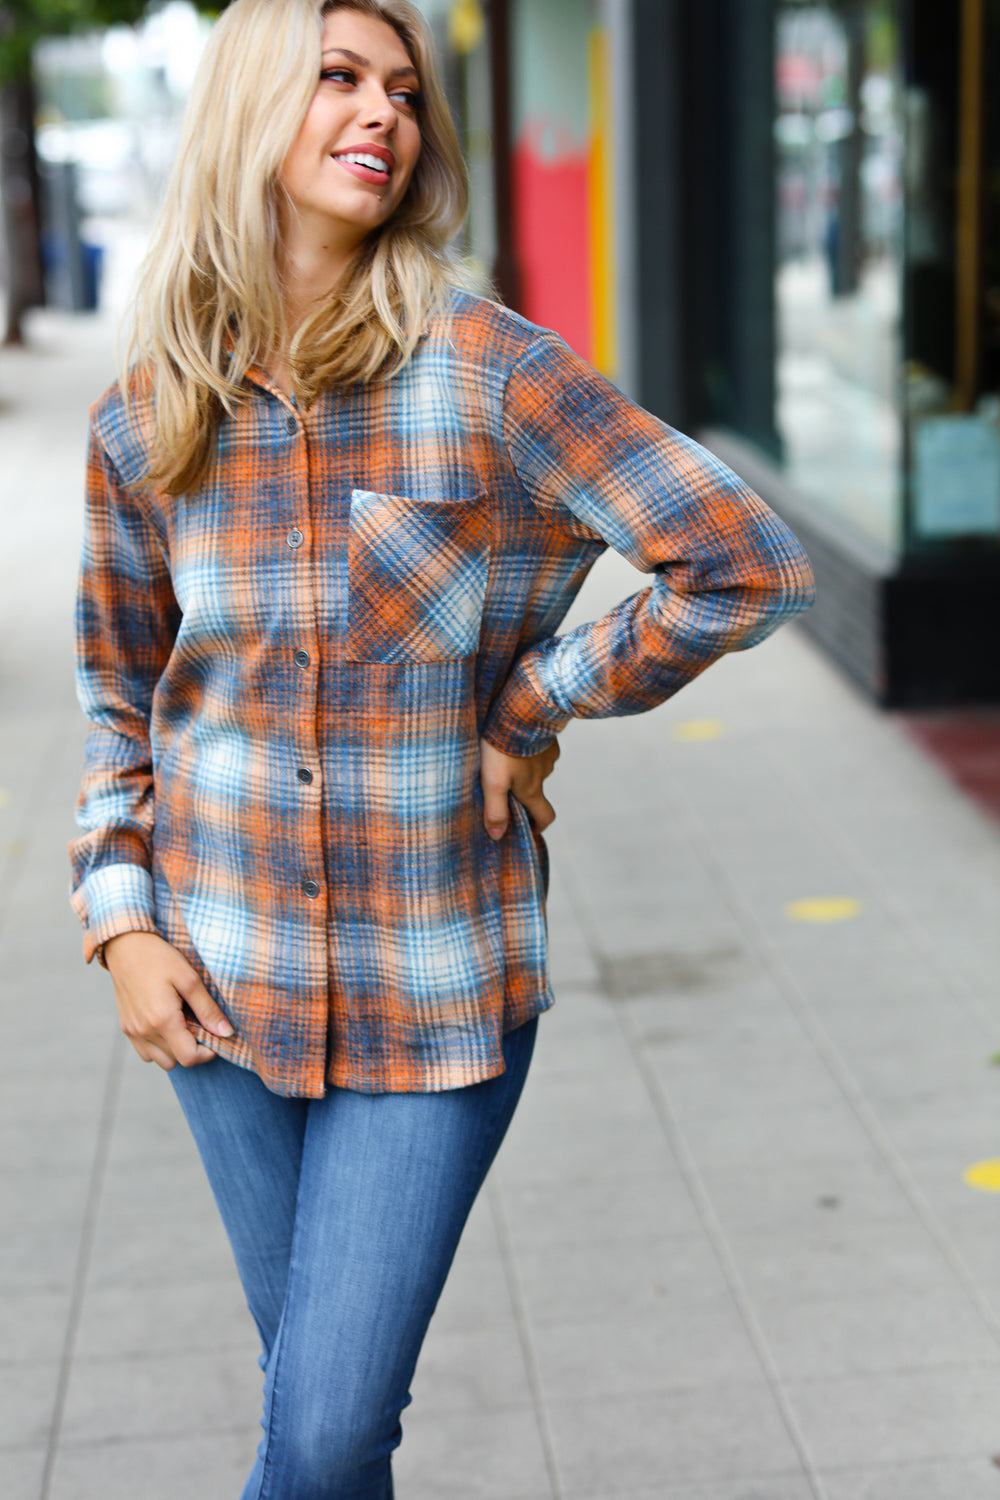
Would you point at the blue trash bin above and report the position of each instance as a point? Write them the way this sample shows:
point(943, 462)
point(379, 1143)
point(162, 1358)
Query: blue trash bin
point(92, 266)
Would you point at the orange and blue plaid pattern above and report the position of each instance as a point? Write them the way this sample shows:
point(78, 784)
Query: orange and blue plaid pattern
point(287, 674)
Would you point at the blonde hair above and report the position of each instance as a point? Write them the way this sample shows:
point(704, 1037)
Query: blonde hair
point(209, 303)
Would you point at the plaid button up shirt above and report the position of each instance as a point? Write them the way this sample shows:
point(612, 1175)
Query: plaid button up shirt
point(287, 673)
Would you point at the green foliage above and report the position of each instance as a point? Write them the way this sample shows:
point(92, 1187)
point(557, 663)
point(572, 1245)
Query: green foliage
point(24, 22)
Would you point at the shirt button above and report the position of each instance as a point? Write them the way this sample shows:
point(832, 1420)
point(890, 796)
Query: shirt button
point(304, 775)
point(301, 658)
point(310, 888)
point(292, 424)
point(294, 537)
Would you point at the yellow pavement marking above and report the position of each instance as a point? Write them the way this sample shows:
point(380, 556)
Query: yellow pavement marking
point(699, 729)
point(4, 796)
point(984, 1175)
point(823, 909)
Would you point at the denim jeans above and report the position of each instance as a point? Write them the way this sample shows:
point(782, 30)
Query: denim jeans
point(344, 1214)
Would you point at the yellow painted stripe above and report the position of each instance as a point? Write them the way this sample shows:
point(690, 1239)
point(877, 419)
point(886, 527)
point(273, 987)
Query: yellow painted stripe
point(699, 729)
point(601, 202)
point(823, 909)
point(984, 1175)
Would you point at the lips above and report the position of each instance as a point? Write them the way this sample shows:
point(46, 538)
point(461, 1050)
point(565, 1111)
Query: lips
point(368, 163)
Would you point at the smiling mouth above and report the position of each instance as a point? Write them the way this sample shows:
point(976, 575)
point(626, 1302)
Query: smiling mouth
point(364, 163)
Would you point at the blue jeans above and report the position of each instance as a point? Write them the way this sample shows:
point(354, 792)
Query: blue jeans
point(344, 1214)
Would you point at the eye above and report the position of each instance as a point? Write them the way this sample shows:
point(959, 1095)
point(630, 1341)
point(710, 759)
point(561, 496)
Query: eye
point(338, 75)
point(408, 99)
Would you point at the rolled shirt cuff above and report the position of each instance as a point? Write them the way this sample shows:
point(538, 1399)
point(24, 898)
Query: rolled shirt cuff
point(114, 899)
point(521, 721)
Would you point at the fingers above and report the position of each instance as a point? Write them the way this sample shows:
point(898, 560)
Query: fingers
point(179, 1043)
point(159, 1033)
point(536, 804)
point(495, 778)
point(204, 1007)
point(151, 1054)
point(496, 809)
point(523, 776)
point(152, 982)
point(167, 1061)
point(539, 809)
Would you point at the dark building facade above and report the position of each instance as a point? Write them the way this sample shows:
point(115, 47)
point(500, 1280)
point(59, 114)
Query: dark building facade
point(831, 200)
point(775, 222)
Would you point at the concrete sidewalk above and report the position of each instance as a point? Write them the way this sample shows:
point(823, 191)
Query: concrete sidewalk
point(727, 1252)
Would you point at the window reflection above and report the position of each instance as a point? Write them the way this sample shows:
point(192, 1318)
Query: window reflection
point(839, 203)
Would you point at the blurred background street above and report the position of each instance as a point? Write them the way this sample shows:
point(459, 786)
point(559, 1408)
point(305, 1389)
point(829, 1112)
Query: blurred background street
point(743, 1241)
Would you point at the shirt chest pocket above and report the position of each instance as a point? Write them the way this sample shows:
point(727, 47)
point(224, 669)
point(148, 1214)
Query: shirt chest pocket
point(417, 574)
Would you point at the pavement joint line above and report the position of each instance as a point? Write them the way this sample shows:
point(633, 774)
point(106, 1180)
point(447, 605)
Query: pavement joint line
point(81, 1271)
point(893, 1465)
point(154, 1439)
point(502, 1229)
point(883, 892)
point(688, 1168)
point(851, 1090)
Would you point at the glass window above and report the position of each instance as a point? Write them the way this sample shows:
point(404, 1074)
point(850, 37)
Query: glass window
point(839, 143)
point(951, 277)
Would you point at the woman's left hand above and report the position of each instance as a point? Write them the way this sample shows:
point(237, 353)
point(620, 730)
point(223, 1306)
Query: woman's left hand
point(517, 775)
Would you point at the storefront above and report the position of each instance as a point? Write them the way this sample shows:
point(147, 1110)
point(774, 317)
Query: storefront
point(776, 223)
point(530, 84)
point(837, 307)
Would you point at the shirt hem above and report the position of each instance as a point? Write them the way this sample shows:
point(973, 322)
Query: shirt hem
point(439, 1080)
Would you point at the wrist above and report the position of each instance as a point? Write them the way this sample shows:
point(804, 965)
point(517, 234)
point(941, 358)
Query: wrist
point(120, 942)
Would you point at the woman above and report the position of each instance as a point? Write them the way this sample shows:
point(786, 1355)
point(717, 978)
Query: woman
point(333, 523)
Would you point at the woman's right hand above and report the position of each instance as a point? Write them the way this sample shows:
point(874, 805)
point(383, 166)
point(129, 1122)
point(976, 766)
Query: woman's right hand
point(152, 982)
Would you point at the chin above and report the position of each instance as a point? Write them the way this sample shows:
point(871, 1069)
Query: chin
point(365, 215)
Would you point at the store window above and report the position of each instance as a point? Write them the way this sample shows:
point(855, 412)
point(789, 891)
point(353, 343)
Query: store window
point(839, 134)
point(952, 276)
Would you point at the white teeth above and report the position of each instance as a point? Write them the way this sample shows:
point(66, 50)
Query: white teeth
point(362, 159)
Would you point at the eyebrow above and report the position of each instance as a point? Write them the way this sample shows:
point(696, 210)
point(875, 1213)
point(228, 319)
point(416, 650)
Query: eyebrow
point(364, 62)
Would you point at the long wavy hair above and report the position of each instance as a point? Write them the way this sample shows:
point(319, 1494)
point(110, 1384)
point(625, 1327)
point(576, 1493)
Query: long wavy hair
point(209, 298)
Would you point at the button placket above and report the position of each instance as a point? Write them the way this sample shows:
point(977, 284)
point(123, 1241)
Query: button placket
point(295, 539)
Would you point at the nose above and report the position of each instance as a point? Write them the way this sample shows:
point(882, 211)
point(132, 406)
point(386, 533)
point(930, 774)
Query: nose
point(376, 110)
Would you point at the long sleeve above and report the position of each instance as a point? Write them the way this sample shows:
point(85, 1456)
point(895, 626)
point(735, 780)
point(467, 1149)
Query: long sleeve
point(357, 581)
point(126, 623)
point(726, 571)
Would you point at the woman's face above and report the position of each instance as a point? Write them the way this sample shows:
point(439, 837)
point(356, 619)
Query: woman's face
point(351, 162)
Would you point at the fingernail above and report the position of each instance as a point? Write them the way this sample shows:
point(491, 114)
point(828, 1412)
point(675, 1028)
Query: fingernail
point(496, 831)
point(224, 1029)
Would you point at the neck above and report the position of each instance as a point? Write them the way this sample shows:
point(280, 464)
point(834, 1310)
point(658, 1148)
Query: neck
point(310, 275)
point(311, 267)
point(315, 258)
